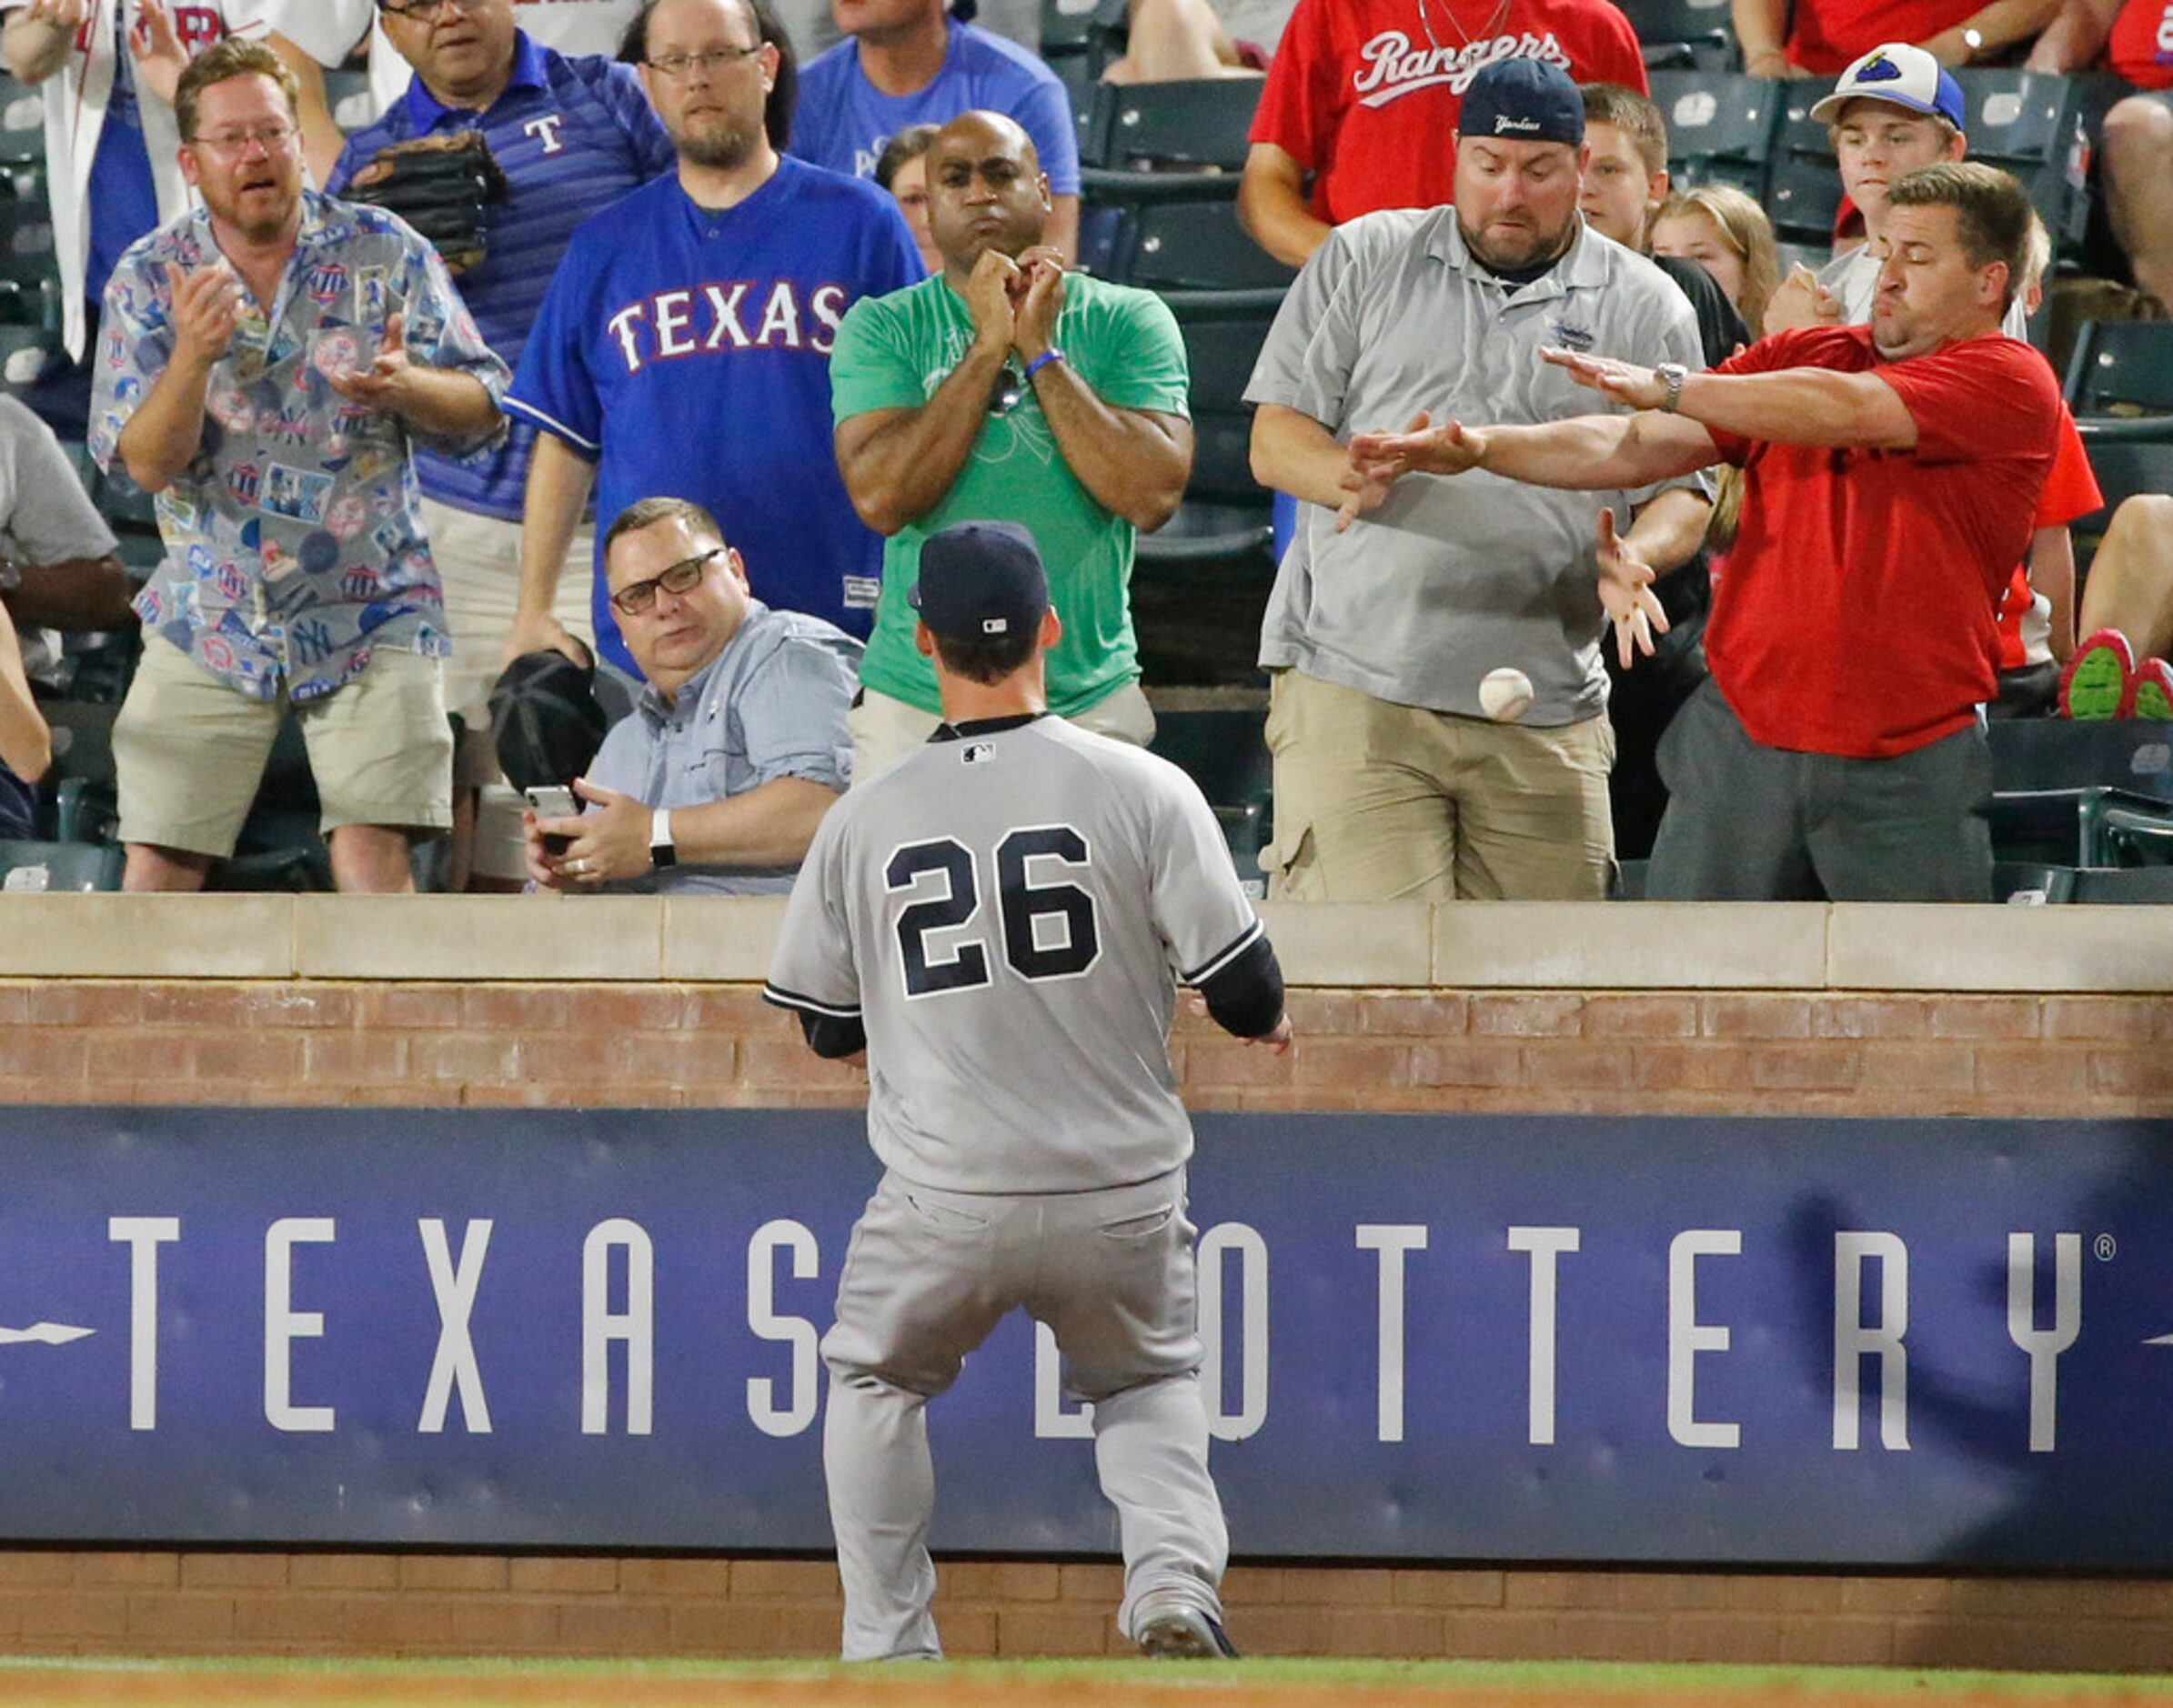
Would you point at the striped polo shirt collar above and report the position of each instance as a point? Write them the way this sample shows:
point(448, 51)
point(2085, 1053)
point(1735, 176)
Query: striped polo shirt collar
point(426, 112)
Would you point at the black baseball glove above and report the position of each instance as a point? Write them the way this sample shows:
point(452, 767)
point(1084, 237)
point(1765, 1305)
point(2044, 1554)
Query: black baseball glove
point(443, 186)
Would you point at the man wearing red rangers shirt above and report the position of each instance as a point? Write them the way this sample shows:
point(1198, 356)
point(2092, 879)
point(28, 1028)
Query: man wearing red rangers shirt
point(1891, 476)
point(1365, 96)
point(2133, 39)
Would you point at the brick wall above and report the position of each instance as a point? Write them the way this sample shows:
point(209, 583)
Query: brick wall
point(667, 1045)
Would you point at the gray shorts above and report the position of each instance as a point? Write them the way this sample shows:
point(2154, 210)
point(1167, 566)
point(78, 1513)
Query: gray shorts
point(929, 1273)
point(1748, 822)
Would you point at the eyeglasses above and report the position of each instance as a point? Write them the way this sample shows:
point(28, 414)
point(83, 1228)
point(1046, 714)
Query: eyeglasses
point(271, 138)
point(425, 8)
point(1009, 388)
point(679, 66)
point(636, 596)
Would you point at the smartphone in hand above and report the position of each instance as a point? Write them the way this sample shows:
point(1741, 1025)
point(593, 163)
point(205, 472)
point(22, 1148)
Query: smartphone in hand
point(554, 803)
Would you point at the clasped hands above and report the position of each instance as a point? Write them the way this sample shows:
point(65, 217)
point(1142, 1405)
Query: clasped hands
point(1014, 304)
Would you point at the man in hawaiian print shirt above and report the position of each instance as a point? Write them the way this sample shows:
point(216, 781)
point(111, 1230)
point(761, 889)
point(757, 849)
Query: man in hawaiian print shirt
point(264, 364)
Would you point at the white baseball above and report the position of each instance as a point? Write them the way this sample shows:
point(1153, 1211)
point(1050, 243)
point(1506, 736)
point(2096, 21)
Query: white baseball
point(1505, 694)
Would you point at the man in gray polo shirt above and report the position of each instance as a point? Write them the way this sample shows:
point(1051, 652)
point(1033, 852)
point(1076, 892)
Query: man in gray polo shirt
point(1396, 598)
point(716, 781)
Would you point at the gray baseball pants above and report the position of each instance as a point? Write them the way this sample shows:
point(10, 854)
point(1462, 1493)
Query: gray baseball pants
point(928, 1275)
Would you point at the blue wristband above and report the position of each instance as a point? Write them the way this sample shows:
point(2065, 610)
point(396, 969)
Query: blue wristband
point(1053, 354)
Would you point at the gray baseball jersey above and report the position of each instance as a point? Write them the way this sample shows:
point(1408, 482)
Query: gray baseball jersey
point(1008, 912)
point(1449, 578)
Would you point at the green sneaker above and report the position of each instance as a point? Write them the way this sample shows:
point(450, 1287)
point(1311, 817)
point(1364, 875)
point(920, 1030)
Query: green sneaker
point(2099, 683)
point(2154, 690)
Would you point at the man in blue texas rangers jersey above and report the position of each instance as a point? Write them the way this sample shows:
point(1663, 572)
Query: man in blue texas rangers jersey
point(1000, 920)
point(684, 347)
point(572, 136)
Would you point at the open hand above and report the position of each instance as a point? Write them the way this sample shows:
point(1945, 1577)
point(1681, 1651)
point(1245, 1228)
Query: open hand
point(387, 383)
point(1627, 593)
point(1625, 382)
point(160, 58)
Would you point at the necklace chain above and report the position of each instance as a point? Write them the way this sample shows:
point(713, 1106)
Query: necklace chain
point(1494, 25)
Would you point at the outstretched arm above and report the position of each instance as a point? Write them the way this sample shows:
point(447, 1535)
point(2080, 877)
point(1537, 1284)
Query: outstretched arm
point(1790, 405)
point(1586, 453)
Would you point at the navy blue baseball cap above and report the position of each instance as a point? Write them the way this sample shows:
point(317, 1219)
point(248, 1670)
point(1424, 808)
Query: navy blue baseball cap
point(979, 581)
point(1522, 100)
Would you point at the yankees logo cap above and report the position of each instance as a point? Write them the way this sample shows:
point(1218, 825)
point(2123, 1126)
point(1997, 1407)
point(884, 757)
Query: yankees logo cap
point(1522, 100)
point(979, 581)
point(1902, 77)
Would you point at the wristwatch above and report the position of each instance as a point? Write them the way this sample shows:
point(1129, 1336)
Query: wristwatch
point(662, 853)
point(1671, 375)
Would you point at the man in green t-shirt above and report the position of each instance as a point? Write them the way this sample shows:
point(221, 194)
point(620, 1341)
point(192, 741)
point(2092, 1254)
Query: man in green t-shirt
point(1005, 389)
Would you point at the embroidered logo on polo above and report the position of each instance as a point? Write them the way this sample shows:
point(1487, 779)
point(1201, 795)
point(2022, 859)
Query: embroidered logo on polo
point(1394, 68)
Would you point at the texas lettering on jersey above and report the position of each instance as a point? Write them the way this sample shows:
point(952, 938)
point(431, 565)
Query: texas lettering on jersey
point(731, 314)
point(1394, 68)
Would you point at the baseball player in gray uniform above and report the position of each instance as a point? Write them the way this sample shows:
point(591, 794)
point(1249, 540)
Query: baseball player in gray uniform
point(1000, 920)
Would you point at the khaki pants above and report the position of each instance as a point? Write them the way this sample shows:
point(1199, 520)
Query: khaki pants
point(189, 751)
point(478, 563)
point(1380, 802)
point(884, 730)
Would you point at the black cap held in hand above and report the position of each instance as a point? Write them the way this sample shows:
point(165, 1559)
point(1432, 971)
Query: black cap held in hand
point(981, 580)
point(544, 720)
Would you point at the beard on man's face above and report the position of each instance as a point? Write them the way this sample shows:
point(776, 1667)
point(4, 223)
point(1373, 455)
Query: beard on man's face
point(1511, 247)
point(719, 142)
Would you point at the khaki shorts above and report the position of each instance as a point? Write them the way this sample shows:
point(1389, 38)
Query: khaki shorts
point(884, 730)
point(189, 751)
point(479, 564)
point(1377, 802)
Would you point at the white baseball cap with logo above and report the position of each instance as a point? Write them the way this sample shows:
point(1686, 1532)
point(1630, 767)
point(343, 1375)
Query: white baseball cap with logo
point(1901, 75)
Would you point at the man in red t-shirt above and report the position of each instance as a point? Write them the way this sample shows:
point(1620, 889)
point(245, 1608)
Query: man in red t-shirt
point(1892, 473)
point(2133, 39)
point(1816, 38)
point(1365, 96)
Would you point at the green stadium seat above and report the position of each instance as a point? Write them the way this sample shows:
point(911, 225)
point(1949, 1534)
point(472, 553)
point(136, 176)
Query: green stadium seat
point(2141, 886)
point(2038, 126)
point(1689, 35)
point(1172, 231)
point(26, 253)
point(59, 866)
point(2122, 368)
point(2089, 826)
point(1225, 752)
point(2031, 753)
point(1720, 127)
point(1192, 126)
point(22, 121)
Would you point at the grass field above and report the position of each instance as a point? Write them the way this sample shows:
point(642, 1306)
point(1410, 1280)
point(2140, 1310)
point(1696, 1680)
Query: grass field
point(1284, 1684)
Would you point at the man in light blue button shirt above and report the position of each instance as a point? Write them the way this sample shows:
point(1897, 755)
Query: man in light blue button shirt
point(716, 781)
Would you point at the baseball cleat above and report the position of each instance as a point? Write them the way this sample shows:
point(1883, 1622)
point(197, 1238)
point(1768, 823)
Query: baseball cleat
point(1183, 1634)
